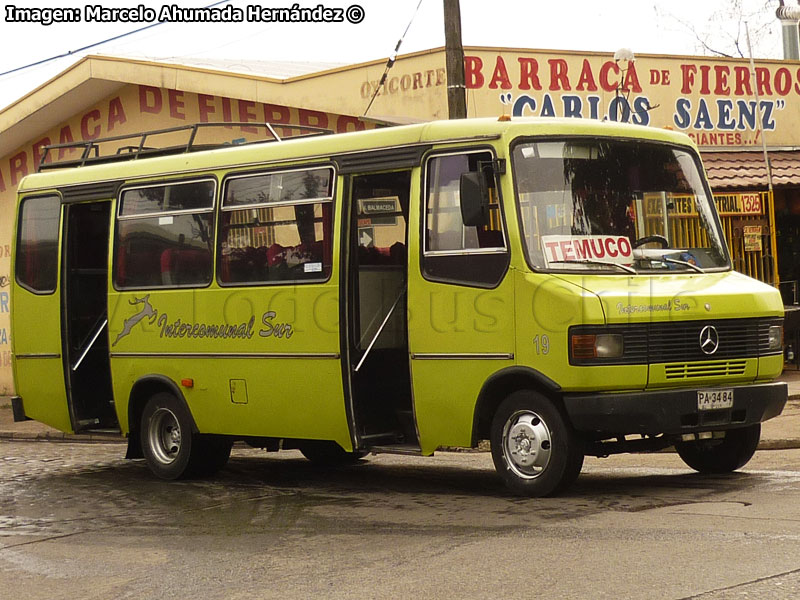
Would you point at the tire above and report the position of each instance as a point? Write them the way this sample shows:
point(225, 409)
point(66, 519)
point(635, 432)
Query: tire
point(724, 455)
point(214, 452)
point(534, 448)
point(170, 446)
point(328, 454)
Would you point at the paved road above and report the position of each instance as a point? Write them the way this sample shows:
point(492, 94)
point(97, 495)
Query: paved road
point(78, 521)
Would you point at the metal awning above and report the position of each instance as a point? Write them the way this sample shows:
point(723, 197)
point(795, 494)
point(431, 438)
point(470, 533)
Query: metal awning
point(738, 170)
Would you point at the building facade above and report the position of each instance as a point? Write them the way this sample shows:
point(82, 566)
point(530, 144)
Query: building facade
point(730, 109)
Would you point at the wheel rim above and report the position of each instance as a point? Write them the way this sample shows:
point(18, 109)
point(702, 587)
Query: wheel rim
point(164, 436)
point(526, 444)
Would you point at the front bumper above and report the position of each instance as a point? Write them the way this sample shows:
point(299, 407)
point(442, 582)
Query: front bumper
point(672, 411)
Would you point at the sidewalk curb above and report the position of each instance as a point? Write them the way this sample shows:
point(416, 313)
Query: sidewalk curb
point(53, 435)
point(57, 436)
point(779, 445)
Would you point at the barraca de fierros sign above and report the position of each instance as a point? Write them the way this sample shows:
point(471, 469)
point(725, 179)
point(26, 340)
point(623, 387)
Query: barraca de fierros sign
point(711, 99)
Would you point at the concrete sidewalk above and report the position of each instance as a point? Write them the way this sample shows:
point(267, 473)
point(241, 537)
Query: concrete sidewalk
point(779, 433)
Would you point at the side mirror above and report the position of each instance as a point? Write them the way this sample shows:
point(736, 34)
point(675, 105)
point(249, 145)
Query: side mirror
point(474, 193)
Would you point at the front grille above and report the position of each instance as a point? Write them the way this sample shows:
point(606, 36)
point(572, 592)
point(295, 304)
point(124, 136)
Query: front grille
point(738, 338)
point(705, 369)
point(679, 342)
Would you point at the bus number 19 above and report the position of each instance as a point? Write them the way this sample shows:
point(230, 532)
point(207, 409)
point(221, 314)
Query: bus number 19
point(541, 344)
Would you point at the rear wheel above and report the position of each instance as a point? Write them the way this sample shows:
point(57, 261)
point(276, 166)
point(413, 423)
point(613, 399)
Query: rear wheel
point(171, 447)
point(535, 450)
point(214, 452)
point(721, 455)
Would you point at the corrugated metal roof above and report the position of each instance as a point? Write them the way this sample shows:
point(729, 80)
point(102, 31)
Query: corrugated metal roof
point(727, 170)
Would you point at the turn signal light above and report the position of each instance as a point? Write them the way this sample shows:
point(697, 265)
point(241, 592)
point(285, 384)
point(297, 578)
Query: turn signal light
point(603, 345)
point(187, 383)
point(583, 346)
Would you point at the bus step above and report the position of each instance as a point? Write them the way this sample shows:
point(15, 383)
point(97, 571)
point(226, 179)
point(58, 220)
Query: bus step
point(408, 449)
point(386, 437)
point(104, 431)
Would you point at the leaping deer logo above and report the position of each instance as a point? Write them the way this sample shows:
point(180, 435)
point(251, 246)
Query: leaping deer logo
point(147, 311)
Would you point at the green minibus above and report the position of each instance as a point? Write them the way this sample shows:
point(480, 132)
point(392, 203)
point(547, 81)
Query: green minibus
point(559, 287)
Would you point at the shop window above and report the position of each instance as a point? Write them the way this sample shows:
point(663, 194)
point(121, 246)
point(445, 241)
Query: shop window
point(164, 236)
point(276, 227)
point(37, 245)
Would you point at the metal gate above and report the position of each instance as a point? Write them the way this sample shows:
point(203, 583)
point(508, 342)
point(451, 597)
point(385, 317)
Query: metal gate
point(748, 221)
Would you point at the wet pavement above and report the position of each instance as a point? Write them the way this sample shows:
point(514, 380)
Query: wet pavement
point(78, 521)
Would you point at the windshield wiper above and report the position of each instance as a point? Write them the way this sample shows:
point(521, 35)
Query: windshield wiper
point(625, 268)
point(675, 261)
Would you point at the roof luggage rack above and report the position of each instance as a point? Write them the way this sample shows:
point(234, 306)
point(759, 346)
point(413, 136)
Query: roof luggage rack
point(91, 148)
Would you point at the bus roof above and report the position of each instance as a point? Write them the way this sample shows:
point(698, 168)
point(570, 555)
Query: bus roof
point(339, 145)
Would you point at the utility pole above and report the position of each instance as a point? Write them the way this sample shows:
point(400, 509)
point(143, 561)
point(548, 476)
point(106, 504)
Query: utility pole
point(454, 61)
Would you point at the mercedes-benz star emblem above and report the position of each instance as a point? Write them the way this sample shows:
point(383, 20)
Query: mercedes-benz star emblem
point(709, 339)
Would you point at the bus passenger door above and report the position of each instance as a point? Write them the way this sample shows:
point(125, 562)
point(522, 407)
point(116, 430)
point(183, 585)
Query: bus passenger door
point(377, 332)
point(36, 312)
point(85, 318)
point(59, 313)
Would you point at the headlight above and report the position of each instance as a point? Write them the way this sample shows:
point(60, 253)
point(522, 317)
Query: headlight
point(775, 337)
point(604, 345)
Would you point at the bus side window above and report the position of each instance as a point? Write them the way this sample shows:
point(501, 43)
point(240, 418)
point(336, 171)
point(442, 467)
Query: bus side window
point(37, 244)
point(164, 236)
point(276, 227)
point(453, 252)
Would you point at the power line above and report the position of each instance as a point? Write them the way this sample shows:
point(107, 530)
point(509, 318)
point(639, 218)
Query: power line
point(111, 39)
point(390, 62)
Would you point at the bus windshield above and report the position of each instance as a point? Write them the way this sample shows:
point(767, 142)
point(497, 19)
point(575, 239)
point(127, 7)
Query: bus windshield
point(615, 205)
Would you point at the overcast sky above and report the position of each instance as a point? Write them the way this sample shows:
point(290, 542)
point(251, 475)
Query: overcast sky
point(645, 26)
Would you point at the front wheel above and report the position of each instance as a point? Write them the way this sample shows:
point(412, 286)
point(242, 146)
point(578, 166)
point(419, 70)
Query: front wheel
point(723, 455)
point(535, 450)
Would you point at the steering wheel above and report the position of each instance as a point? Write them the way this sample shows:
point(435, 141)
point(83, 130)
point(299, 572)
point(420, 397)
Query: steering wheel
point(650, 239)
